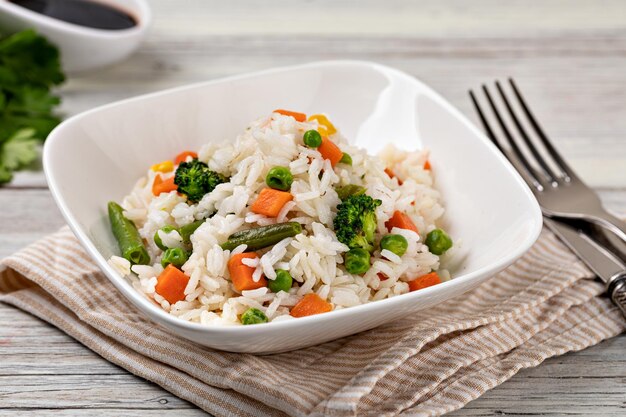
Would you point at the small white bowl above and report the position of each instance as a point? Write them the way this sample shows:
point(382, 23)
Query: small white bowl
point(98, 156)
point(82, 48)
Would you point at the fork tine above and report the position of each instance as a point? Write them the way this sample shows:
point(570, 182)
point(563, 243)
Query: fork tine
point(567, 171)
point(529, 144)
point(531, 173)
point(532, 182)
point(486, 125)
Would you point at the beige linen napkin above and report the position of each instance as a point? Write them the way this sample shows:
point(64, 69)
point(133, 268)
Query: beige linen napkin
point(425, 365)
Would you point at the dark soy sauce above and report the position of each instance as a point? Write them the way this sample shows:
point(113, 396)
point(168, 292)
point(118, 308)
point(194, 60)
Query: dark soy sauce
point(81, 12)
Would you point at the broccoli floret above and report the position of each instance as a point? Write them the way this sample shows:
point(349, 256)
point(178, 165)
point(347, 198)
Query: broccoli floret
point(355, 223)
point(195, 179)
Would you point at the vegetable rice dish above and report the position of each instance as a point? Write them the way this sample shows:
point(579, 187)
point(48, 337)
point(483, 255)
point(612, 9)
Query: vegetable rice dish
point(288, 220)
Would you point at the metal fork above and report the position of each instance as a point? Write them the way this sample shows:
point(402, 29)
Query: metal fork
point(556, 186)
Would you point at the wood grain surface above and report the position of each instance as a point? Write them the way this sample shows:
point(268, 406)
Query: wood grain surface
point(569, 57)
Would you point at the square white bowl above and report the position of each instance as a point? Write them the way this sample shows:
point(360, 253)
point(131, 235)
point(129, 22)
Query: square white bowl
point(97, 156)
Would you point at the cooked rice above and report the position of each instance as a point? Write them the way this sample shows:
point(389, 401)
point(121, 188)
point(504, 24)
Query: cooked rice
point(314, 258)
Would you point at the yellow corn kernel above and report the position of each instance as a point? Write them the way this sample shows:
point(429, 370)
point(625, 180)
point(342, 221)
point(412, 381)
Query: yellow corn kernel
point(165, 166)
point(323, 131)
point(323, 121)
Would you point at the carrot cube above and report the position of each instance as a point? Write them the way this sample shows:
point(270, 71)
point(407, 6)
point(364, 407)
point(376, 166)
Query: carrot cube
point(171, 284)
point(309, 305)
point(330, 151)
point(300, 117)
point(270, 202)
point(424, 281)
point(241, 274)
point(402, 221)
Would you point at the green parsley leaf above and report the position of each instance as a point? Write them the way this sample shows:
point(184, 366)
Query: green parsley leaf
point(29, 67)
point(19, 150)
point(32, 59)
point(5, 175)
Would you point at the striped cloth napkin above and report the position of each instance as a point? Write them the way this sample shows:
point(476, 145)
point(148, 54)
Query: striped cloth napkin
point(425, 365)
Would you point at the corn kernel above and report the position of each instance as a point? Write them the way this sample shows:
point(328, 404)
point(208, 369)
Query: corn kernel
point(323, 131)
point(165, 166)
point(323, 121)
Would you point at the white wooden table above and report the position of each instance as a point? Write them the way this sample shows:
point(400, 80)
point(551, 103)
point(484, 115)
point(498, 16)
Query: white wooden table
point(568, 56)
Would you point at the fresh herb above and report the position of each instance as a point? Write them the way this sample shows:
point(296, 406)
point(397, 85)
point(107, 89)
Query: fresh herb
point(29, 67)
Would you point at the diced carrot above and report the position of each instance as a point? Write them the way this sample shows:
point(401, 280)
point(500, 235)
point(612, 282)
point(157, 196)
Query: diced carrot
point(309, 305)
point(382, 276)
point(330, 151)
point(241, 275)
point(402, 221)
point(182, 157)
point(300, 117)
point(171, 284)
point(424, 281)
point(270, 201)
point(159, 186)
point(427, 165)
point(392, 175)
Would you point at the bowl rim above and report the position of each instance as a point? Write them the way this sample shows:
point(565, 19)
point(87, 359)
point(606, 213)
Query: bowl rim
point(152, 310)
point(143, 18)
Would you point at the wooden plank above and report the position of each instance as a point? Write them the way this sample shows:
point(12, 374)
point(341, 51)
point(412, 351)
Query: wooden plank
point(80, 391)
point(113, 411)
point(426, 17)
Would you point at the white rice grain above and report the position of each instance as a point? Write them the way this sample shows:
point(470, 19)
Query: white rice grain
point(120, 265)
point(385, 253)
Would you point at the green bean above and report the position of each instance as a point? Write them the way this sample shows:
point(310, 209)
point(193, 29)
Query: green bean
point(157, 239)
point(438, 242)
point(312, 138)
point(263, 236)
point(174, 256)
point(348, 190)
point(279, 178)
point(282, 282)
point(128, 238)
point(253, 316)
point(394, 243)
point(187, 230)
point(357, 261)
point(346, 159)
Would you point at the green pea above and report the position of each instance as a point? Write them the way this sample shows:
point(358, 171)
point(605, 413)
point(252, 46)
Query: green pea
point(157, 238)
point(357, 261)
point(282, 282)
point(279, 178)
point(253, 316)
point(174, 256)
point(346, 159)
point(438, 242)
point(312, 138)
point(394, 243)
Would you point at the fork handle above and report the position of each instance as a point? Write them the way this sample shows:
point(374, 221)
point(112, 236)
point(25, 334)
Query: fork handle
point(611, 223)
point(617, 291)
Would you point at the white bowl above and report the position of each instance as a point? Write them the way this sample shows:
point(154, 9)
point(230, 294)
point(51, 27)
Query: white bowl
point(82, 48)
point(97, 156)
